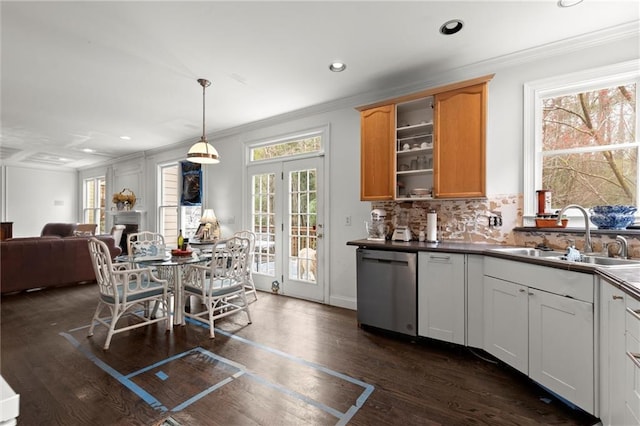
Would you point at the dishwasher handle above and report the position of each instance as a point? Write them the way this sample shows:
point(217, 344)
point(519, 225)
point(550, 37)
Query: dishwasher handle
point(381, 256)
point(387, 261)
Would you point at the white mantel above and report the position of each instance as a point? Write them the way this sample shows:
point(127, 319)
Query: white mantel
point(130, 217)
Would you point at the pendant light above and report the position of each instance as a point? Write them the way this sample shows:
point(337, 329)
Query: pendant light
point(202, 152)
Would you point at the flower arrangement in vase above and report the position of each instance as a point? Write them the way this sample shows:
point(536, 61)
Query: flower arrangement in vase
point(125, 199)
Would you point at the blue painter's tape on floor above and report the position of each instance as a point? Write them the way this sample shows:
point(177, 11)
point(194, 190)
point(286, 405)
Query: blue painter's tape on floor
point(235, 371)
point(144, 395)
point(343, 418)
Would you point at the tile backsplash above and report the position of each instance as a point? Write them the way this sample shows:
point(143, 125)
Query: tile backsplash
point(559, 240)
point(467, 221)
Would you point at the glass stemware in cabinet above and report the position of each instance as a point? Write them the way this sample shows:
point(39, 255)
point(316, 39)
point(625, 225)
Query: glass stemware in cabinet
point(422, 162)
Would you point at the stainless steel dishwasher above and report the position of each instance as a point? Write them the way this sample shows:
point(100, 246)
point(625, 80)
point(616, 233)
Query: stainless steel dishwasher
point(387, 290)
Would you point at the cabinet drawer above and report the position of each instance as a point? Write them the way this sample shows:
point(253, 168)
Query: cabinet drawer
point(632, 385)
point(632, 319)
point(558, 281)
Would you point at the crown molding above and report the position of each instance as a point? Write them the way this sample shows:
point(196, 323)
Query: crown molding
point(563, 47)
point(556, 48)
point(548, 50)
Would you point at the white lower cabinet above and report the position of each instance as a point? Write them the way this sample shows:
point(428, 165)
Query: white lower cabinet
point(561, 350)
point(506, 324)
point(540, 320)
point(613, 359)
point(475, 300)
point(441, 301)
point(632, 363)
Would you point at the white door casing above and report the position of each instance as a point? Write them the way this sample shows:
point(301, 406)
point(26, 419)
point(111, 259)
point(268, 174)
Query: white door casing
point(286, 212)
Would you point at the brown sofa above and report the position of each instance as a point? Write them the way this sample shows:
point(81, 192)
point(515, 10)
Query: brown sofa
point(55, 258)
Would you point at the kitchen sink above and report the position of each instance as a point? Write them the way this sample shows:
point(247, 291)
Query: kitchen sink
point(529, 252)
point(596, 261)
point(609, 261)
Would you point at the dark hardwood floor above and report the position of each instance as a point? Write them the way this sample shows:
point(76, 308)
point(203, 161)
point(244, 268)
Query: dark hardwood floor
point(299, 363)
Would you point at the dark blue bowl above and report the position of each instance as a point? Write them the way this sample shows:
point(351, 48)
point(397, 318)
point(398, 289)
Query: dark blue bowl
point(616, 209)
point(612, 220)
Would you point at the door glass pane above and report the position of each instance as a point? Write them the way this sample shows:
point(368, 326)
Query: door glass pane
point(263, 222)
point(302, 225)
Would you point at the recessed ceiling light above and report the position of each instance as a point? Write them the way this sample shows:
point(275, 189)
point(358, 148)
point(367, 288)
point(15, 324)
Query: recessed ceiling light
point(125, 138)
point(88, 150)
point(568, 3)
point(451, 27)
point(337, 66)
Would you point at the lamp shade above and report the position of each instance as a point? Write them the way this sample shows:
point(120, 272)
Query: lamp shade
point(202, 152)
point(208, 216)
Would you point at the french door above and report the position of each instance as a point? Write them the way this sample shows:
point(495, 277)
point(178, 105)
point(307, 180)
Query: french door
point(286, 214)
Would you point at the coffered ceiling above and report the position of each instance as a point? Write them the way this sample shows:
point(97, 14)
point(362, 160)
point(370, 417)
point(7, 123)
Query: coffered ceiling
point(77, 76)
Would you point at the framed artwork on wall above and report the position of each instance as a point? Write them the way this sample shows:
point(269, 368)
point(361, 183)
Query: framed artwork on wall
point(191, 194)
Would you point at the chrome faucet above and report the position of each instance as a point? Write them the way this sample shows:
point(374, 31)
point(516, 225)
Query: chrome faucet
point(587, 227)
point(624, 247)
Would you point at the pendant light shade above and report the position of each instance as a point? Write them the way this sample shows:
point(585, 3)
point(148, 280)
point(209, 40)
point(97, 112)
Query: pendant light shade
point(202, 152)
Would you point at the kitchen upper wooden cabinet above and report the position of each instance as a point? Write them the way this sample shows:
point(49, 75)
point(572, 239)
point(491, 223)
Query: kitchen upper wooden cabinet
point(450, 139)
point(459, 142)
point(377, 130)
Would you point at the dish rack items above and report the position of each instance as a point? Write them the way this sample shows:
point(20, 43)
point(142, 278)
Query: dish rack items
point(414, 149)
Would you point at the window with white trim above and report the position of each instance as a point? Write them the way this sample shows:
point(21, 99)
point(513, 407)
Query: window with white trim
point(172, 217)
point(581, 139)
point(94, 202)
point(298, 145)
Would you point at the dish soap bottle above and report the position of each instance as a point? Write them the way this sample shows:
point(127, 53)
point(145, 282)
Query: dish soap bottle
point(180, 240)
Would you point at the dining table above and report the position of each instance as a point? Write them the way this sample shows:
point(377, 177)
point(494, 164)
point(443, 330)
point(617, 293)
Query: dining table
point(173, 269)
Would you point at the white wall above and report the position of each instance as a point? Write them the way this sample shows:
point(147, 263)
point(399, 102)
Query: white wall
point(505, 118)
point(342, 162)
point(34, 197)
point(224, 182)
point(504, 150)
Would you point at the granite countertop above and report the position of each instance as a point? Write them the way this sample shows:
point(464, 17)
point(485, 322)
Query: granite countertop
point(416, 246)
point(625, 278)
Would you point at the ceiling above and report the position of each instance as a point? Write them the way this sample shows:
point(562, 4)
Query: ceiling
point(77, 76)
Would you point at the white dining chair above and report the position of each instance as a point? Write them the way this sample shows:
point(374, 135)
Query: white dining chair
point(146, 244)
point(250, 286)
point(221, 284)
point(124, 291)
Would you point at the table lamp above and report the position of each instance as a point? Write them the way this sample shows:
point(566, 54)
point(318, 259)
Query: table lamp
point(211, 228)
